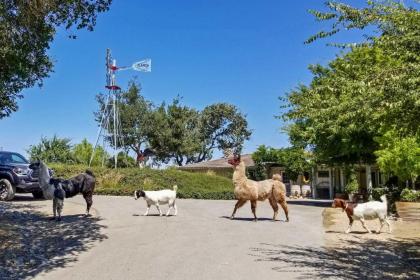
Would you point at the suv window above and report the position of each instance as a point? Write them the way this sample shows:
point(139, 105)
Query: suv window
point(7, 158)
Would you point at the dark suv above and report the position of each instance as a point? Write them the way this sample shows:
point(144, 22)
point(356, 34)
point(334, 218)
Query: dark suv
point(16, 176)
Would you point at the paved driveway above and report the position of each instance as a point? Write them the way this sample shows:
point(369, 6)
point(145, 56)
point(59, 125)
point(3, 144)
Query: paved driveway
point(200, 243)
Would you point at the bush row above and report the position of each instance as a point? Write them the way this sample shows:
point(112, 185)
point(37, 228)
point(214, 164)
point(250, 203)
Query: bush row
point(410, 195)
point(124, 181)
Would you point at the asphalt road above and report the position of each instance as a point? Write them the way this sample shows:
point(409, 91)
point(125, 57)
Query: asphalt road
point(200, 243)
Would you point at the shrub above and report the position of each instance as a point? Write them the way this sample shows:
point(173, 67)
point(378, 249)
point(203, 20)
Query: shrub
point(410, 195)
point(378, 192)
point(352, 186)
point(125, 180)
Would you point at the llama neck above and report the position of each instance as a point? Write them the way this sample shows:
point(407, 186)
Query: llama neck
point(44, 176)
point(44, 182)
point(239, 174)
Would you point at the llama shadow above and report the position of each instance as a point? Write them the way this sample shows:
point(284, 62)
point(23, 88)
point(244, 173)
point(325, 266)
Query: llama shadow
point(310, 202)
point(355, 259)
point(250, 219)
point(31, 244)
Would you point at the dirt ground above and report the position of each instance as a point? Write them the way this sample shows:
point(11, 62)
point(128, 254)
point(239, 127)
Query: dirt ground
point(394, 255)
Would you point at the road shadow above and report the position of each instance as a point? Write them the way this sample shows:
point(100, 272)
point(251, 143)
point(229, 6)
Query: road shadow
point(30, 243)
point(26, 197)
point(355, 259)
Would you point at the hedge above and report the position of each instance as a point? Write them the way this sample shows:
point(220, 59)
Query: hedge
point(125, 180)
point(410, 195)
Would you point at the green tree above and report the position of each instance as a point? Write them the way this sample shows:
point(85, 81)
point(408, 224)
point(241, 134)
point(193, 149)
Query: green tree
point(82, 153)
point(176, 134)
point(51, 150)
point(135, 119)
point(124, 161)
point(399, 155)
point(363, 93)
point(221, 126)
point(27, 29)
point(189, 136)
point(295, 160)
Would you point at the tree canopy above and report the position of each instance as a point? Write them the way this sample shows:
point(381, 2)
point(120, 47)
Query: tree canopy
point(174, 132)
point(295, 160)
point(26, 30)
point(365, 92)
point(53, 149)
point(134, 116)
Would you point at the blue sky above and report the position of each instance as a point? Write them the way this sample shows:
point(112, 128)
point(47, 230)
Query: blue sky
point(247, 53)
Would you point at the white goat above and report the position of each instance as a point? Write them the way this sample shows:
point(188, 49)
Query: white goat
point(158, 198)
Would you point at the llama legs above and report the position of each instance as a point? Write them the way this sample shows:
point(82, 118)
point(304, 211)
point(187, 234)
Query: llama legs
point(60, 205)
point(54, 208)
point(238, 204)
point(283, 205)
point(253, 208)
point(275, 207)
point(57, 208)
point(88, 198)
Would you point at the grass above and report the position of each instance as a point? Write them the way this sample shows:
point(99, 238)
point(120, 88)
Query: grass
point(125, 180)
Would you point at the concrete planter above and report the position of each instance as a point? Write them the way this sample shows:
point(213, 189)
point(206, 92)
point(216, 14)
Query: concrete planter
point(408, 211)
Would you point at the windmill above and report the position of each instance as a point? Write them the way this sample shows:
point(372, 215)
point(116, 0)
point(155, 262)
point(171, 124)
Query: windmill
point(110, 125)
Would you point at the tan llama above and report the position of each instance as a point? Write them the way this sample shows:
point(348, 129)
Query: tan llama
point(245, 189)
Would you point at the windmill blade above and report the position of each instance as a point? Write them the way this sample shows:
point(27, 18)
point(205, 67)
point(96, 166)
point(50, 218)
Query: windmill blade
point(144, 65)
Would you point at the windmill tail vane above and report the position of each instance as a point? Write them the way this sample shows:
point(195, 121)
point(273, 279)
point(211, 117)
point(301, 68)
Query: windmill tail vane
point(144, 65)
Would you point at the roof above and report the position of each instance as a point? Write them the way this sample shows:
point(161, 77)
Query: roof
point(218, 163)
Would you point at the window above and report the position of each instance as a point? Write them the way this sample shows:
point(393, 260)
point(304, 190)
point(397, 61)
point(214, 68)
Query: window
point(285, 178)
point(7, 158)
point(18, 159)
point(323, 174)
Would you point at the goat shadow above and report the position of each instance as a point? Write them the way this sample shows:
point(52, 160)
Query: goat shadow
point(31, 244)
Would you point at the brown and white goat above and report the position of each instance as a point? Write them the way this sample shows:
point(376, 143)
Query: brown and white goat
point(365, 211)
point(245, 189)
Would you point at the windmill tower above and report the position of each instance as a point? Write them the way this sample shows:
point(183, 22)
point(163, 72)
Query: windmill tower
point(110, 125)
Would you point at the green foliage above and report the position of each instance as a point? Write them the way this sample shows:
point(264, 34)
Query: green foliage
point(352, 186)
point(410, 195)
point(123, 161)
point(399, 155)
point(189, 136)
point(295, 160)
point(135, 118)
point(177, 137)
point(378, 192)
point(257, 173)
point(221, 126)
point(82, 153)
point(175, 132)
point(362, 94)
point(125, 181)
point(51, 150)
point(26, 30)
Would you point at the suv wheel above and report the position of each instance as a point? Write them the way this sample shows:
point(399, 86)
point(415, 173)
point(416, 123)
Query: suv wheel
point(7, 191)
point(38, 194)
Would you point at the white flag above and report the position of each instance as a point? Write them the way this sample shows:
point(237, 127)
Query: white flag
point(144, 65)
